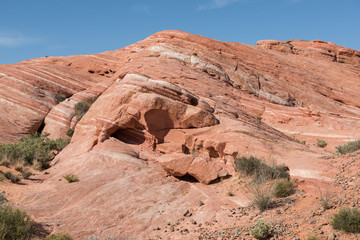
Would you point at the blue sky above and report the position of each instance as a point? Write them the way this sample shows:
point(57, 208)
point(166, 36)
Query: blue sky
point(38, 28)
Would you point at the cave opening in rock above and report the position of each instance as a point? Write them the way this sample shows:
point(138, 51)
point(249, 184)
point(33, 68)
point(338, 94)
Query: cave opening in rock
point(188, 178)
point(130, 136)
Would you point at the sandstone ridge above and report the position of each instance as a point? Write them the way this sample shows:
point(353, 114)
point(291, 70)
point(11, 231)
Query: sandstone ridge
point(170, 115)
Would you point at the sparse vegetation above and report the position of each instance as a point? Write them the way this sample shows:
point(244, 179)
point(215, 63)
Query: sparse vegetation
point(340, 61)
point(70, 132)
point(204, 70)
point(5, 161)
point(349, 147)
point(34, 149)
point(14, 223)
point(284, 188)
point(259, 169)
point(60, 97)
point(12, 177)
point(59, 236)
point(259, 118)
point(325, 199)
point(261, 194)
point(71, 178)
point(195, 54)
point(82, 107)
point(347, 220)
point(19, 166)
point(26, 174)
point(321, 143)
point(261, 230)
point(2, 198)
point(298, 140)
point(2, 177)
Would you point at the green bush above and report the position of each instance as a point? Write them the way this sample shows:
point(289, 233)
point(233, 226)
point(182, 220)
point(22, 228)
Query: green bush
point(261, 230)
point(259, 118)
point(340, 61)
point(284, 188)
point(321, 143)
point(70, 132)
point(349, 147)
point(14, 223)
point(82, 107)
point(71, 178)
point(347, 220)
point(33, 148)
point(259, 169)
point(59, 236)
point(60, 97)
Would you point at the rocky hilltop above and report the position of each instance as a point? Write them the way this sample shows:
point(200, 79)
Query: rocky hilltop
point(170, 115)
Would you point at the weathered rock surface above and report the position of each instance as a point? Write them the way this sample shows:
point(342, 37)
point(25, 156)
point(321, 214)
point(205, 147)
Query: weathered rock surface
point(316, 49)
point(172, 106)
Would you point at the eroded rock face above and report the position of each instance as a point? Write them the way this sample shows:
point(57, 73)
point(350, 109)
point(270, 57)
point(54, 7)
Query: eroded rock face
point(171, 106)
point(316, 49)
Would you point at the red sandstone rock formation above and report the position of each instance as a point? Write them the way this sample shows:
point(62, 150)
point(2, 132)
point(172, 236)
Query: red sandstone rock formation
point(171, 107)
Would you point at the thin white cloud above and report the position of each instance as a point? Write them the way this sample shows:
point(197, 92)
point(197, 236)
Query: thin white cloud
point(216, 4)
point(15, 40)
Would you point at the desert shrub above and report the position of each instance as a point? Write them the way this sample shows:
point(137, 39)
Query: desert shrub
point(19, 166)
point(2, 177)
point(261, 230)
point(325, 199)
point(70, 132)
point(298, 140)
point(347, 220)
point(259, 118)
point(2, 198)
point(5, 161)
point(283, 188)
point(259, 169)
point(71, 178)
point(340, 61)
point(194, 53)
point(60, 97)
point(82, 107)
point(348, 147)
point(59, 236)
point(12, 177)
point(14, 223)
point(247, 165)
point(261, 194)
point(26, 174)
point(321, 143)
point(33, 148)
